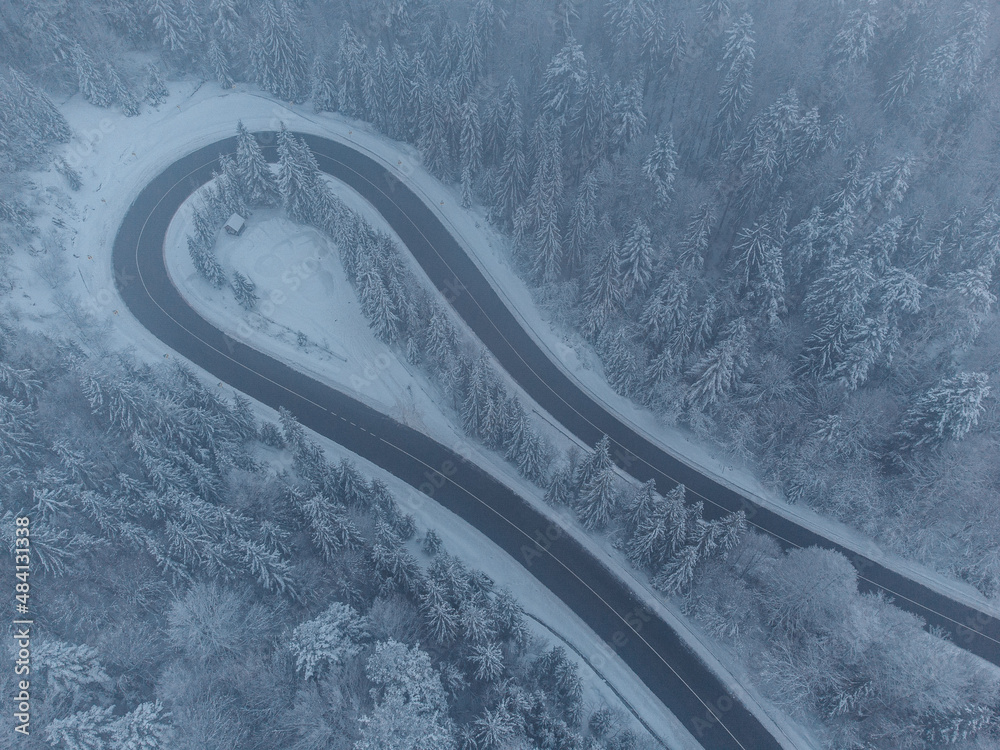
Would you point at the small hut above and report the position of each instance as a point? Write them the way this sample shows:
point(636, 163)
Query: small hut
point(235, 225)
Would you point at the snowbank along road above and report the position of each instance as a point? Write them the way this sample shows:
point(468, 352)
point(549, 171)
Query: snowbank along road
point(651, 648)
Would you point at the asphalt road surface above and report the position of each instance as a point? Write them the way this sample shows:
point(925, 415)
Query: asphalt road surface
point(650, 647)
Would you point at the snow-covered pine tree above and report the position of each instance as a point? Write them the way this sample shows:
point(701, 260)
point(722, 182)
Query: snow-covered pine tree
point(48, 121)
point(854, 40)
point(487, 659)
point(70, 671)
point(83, 730)
point(697, 236)
point(592, 120)
point(509, 184)
point(564, 79)
point(718, 372)
point(433, 125)
point(218, 60)
point(166, 18)
point(479, 395)
point(146, 727)
point(402, 96)
point(628, 116)
point(582, 222)
point(945, 412)
point(378, 306)
point(244, 290)
point(228, 194)
point(440, 617)
point(660, 167)
point(666, 309)
point(604, 293)
point(637, 260)
point(679, 571)
point(599, 497)
point(350, 72)
point(620, 365)
point(206, 264)
point(90, 80)
point(322, 86)
point(761, 265)
point(543, 204)
point(737, 83)
point(638, 504)
point(375, 87)
point(471, 138)
point(297, 177)
point(328, 640)
point(627, 20)
point(532, 456)
point(277, 53)
point(257, 181)
point(156, 90)
point(593, 464)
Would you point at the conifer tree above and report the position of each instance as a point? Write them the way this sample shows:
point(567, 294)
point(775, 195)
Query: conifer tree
point(156, 89)
point(629, 117)
point(322, 86)
point(660, 167)
point(244, 290)
point(350, 70)
point(167, 21)
point(277, 54)
point(298, 177)
point(146, 727)
point(564, 78)
point(637, 260)
point(91, 82)
point(328, 640)
point(220, 64)
point(582, 222)
point(737, 83)
point(510, 181)
point(947, 411)
point(592, 120)
point(678, 573)
point(717, 373)
point(604, 295)
point(206, 264)
point(256, 178)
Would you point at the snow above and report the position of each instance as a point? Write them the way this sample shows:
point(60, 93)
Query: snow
point(302, 287)
point(118, 156)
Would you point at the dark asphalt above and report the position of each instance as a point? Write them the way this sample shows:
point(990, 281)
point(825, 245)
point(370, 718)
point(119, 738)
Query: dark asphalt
point(465, 287)
point(644, 641)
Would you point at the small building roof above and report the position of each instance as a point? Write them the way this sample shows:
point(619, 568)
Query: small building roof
point(235, 222)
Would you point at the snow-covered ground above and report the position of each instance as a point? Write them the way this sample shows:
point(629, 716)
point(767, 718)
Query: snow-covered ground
point(303, 289)
point(117, 156)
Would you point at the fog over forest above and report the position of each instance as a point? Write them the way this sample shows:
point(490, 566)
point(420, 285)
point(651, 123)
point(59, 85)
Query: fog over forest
point(772, 224)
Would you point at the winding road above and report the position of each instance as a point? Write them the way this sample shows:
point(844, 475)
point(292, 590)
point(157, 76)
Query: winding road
point(651, 648)
point(451, 269)
point(645, 642)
